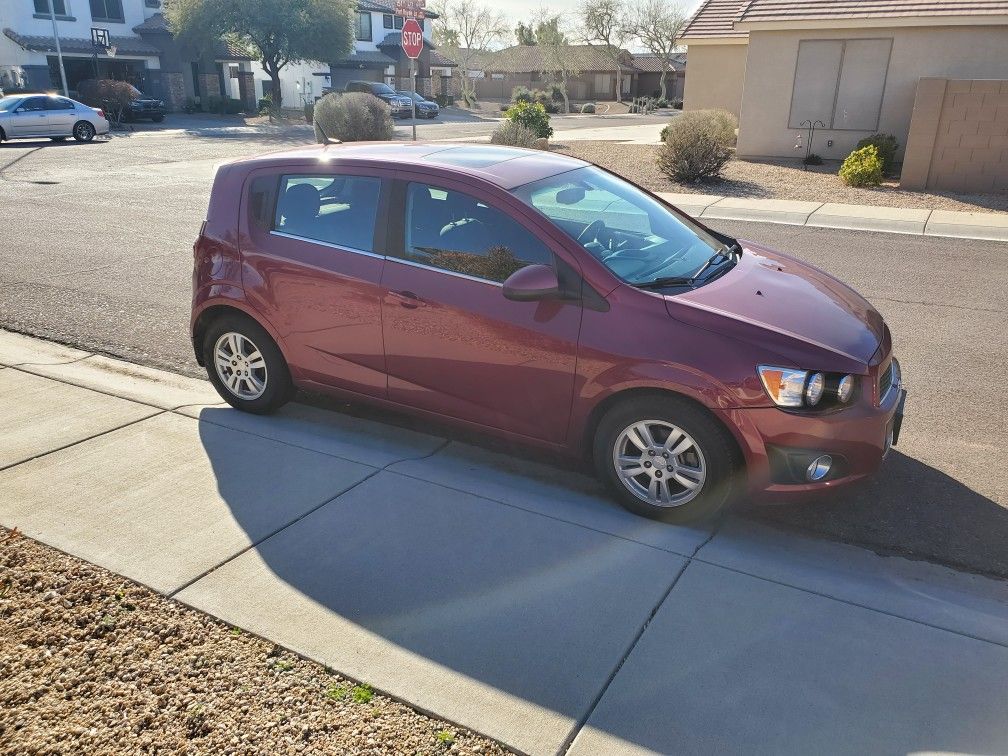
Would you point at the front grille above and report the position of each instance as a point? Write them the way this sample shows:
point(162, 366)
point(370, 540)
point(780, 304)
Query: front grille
point(885, 381)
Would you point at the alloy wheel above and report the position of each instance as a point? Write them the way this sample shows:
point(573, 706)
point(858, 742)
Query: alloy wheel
point(84, 131)
point(659, 463)
point(240, 366)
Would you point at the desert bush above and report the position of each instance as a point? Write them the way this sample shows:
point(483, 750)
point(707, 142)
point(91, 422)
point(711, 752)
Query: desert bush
point(352, 117)
point(514, 134)
point(697, 145)
point(677, 104)
point(521, 94)
point(588, 107)
point(886, 145)
point(114, 97)
point(532, 116)
point(862, 167)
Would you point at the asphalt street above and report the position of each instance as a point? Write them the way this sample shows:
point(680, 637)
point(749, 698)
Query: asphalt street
point(95, 251)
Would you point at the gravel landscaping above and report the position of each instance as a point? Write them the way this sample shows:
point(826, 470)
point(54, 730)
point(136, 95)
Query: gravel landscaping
point(93, 663)
point(774, 179)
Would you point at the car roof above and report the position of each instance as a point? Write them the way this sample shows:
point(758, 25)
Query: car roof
point(507, 167)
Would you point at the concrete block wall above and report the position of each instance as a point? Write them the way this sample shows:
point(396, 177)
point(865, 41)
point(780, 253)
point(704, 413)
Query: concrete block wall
point(958, 136)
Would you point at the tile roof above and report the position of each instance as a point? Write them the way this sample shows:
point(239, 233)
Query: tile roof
point(824, 10)
point(437, 59)
point(648, 63)
point(156, 23)
point(394, 39)
point(364, 58)
point(529, 59)
point(386, 6)
point(715, 18)
point(123, 45)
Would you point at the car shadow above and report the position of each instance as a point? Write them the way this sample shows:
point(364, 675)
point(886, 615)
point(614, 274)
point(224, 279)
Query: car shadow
point(537, 609)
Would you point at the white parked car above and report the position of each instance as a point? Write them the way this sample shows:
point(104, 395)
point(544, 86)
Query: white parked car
point(40, 115)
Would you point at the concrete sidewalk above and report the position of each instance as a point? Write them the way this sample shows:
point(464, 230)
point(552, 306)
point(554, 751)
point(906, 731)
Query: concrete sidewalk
point(512, 598)
point(987, 226)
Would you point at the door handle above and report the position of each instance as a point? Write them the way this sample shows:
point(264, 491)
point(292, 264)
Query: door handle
point(407, 299)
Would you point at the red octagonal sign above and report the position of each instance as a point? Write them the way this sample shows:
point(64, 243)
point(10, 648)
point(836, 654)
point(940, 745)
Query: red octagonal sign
point(412, 38)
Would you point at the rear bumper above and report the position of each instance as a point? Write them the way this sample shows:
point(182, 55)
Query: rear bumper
point(779, 445)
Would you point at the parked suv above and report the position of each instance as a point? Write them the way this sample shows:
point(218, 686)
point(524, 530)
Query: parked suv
point(541, 299)
point(402, 107)
point(144, 106)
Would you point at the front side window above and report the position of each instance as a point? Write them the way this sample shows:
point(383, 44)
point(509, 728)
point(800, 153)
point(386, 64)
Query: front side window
point(34, 104)
point(339, 210)
point(631, 233)
point(59, 6)
point(107, 10)
point(363, 27)
point(456, 232)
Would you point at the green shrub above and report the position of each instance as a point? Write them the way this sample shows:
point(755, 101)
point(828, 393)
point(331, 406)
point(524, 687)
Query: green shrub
point(545, 99)
point(265, 103)
point(533, 116)
point(514, 134)
point(886, 145)
point(697, 145)
point(521, 94)
point(352, 117)
point(862, 167)
point(588, 107)
point(677, 104)
point(309, 112)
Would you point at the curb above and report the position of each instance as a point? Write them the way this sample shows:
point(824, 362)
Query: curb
point(991, 226)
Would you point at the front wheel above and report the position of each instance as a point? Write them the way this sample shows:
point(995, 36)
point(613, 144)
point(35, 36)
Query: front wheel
point(157, 118)
point(666, 459)
point(245, 365)
point(84, 131)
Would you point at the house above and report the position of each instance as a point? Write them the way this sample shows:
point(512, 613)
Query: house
point(498, 72)
point(649, 69)
point(852, 67)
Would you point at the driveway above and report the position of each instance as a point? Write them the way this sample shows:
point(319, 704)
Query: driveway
point(498, 594)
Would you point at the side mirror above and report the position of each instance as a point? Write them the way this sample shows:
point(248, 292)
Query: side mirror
point(531, 283)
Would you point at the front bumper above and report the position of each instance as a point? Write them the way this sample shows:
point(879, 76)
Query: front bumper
point(778, 445)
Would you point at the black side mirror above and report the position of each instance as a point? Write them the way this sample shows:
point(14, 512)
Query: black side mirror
point(532, 283)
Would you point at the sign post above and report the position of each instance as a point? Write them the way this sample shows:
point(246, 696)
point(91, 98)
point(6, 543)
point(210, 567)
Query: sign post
point(412, 45)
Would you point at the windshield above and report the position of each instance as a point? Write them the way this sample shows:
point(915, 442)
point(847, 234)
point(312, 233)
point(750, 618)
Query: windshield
point(631, 233)
point(9, 103)
point(379, 88)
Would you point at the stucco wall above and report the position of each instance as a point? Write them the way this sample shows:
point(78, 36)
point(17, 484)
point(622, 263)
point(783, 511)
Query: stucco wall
point(715, 77)
point(958, 136)
point(962, 52)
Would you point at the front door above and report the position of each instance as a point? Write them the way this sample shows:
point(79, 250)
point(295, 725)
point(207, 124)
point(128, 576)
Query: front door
point(311, 268)
point(30, 118)
point(453, 344)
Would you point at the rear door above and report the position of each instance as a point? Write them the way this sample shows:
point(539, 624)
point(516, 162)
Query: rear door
point(30, 118)
point(311, 263)
point(61, 115)
point(453, 344)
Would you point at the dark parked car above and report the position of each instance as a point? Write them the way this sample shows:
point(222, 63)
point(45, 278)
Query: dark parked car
point(544, 300)
point(424, 107)
point(144, 106)
point(401, 106)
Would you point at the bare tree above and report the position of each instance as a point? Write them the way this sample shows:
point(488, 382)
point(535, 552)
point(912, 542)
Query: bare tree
point(559, 59)
point(657, 24)
point(467, 30)
point(604, 23)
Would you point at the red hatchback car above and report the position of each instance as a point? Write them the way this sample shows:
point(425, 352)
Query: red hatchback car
point(546, 300)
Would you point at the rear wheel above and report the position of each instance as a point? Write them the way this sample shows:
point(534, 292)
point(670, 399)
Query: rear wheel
point(84, 131)
point(245, 365)
point(666, 459)
point(157, 118)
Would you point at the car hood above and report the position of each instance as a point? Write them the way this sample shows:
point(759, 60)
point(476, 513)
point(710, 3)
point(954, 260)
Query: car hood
point(800, 307)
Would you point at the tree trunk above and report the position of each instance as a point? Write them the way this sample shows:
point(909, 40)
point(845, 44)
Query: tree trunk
point(661, 84)
point(619, 82)
point(272, 69)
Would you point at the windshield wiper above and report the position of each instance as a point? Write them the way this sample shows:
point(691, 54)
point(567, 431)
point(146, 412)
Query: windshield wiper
point(666, 281)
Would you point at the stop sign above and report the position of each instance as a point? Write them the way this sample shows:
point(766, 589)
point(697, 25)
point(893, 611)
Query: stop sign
point(412, 38)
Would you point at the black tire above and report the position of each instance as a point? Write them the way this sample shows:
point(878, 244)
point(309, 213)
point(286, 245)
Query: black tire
point(723, 462)
point(279, 387)
point(84, 131)
point(59, 139)
point(157, 118)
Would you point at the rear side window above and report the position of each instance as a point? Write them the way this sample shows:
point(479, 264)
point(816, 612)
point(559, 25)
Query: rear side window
point(456, 232)
point(339, 210)
point(58, 103)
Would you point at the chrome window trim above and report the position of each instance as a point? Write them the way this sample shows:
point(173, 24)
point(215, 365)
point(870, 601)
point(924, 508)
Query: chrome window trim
point(445, 271)
point(343, 247)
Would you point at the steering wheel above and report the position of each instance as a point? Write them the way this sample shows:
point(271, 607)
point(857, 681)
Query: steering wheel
point(591, 232)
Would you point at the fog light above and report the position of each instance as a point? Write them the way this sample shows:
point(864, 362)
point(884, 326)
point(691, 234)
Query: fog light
point(819, 468)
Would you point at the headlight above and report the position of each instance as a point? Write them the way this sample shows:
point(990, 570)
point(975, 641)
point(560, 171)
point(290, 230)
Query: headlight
point(785, 386)
point(845, 389)
point(814, 389)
